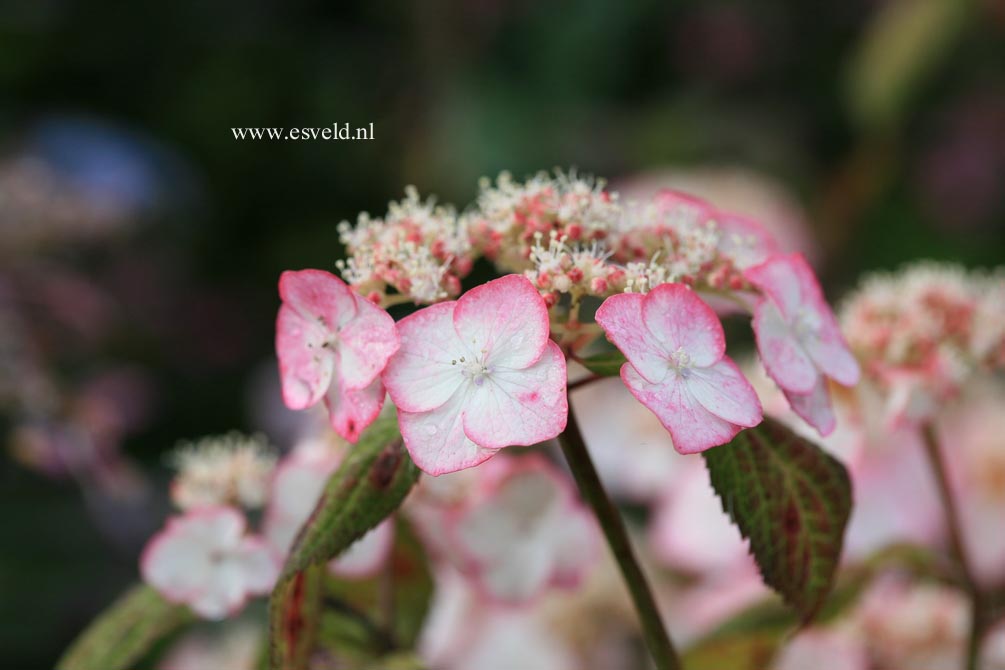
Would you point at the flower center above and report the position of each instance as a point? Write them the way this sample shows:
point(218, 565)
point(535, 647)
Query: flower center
point(680, 362)
point(806, 323)
point(474, 370)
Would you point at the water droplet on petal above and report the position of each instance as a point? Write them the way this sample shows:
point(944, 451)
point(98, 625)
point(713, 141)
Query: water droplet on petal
point(431, 430)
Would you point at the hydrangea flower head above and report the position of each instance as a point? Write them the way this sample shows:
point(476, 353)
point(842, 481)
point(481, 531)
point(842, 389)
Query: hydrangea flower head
point(476, 375)
point(205, 560)
point(332, 344)
point(677, 365)
point(923, 332)
point(798, 337)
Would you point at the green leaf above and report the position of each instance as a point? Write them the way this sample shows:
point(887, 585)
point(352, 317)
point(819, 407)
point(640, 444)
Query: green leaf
point(369, 485)
point(607, 364)
point(125, 632)
point(792, 501)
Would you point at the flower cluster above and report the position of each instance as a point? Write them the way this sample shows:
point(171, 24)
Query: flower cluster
point(510, 217)
point(419, 249)
point(205, 557)
point(231, 469)
point(472, 376)
point(922, 333)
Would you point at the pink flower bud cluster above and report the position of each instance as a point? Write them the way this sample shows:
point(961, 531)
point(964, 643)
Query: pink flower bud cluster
point(567, 234)
point(419, 249)
point(922, 333)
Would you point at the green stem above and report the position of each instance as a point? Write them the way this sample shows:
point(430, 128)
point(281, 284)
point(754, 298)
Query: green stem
point(592, 490)
point(957, 545)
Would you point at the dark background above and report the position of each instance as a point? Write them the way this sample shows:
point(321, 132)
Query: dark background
point(885, 121)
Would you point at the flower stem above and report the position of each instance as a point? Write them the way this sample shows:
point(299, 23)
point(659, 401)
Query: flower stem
point(657, 640)
point(957, 545)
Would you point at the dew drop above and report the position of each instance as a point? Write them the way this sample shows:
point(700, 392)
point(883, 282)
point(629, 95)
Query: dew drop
point(431, 430)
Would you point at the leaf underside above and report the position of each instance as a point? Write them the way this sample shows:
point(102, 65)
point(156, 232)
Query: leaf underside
point(792, 501)
point(369, 485)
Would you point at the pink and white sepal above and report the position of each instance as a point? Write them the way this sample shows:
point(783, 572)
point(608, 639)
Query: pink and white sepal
point(677, 365)
point(476, 375)
point(206, 560)
point(799, 339)
point(522, 532)
point(332, 344)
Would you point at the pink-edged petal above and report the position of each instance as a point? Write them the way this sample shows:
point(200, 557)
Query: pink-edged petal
point(784, 358)
point(306, 366)
point(621, 318)
point(318, 296)
point(365, 557)
point(814, 407)
point(259, 563)
point(519, 407)
point(692, 427)
point(744, 240)
point(724, 391)
point(176, 560)
point(422, 375)
point(679, 319)
point(779, 279)
point(828, 349)
point(350, 412)
point(365, 344)
point(505, 318)
point(436, 439)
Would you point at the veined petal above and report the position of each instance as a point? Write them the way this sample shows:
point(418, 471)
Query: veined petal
point(680, 320)
point(814, 407)
point(318, 296)
point(744, 240)
point(365, 344)
point(779, 280)
point(351, 411)
point(305, 365)
point(782, 355)
point(724, 391)
point(506, 320)
point(692, 427)
point(421, 376)
point(436, 439)
point(519, 407)
point(831, 354)
point(621, 318)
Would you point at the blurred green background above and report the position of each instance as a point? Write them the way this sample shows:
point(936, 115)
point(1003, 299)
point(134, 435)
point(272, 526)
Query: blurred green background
point(884, 120)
